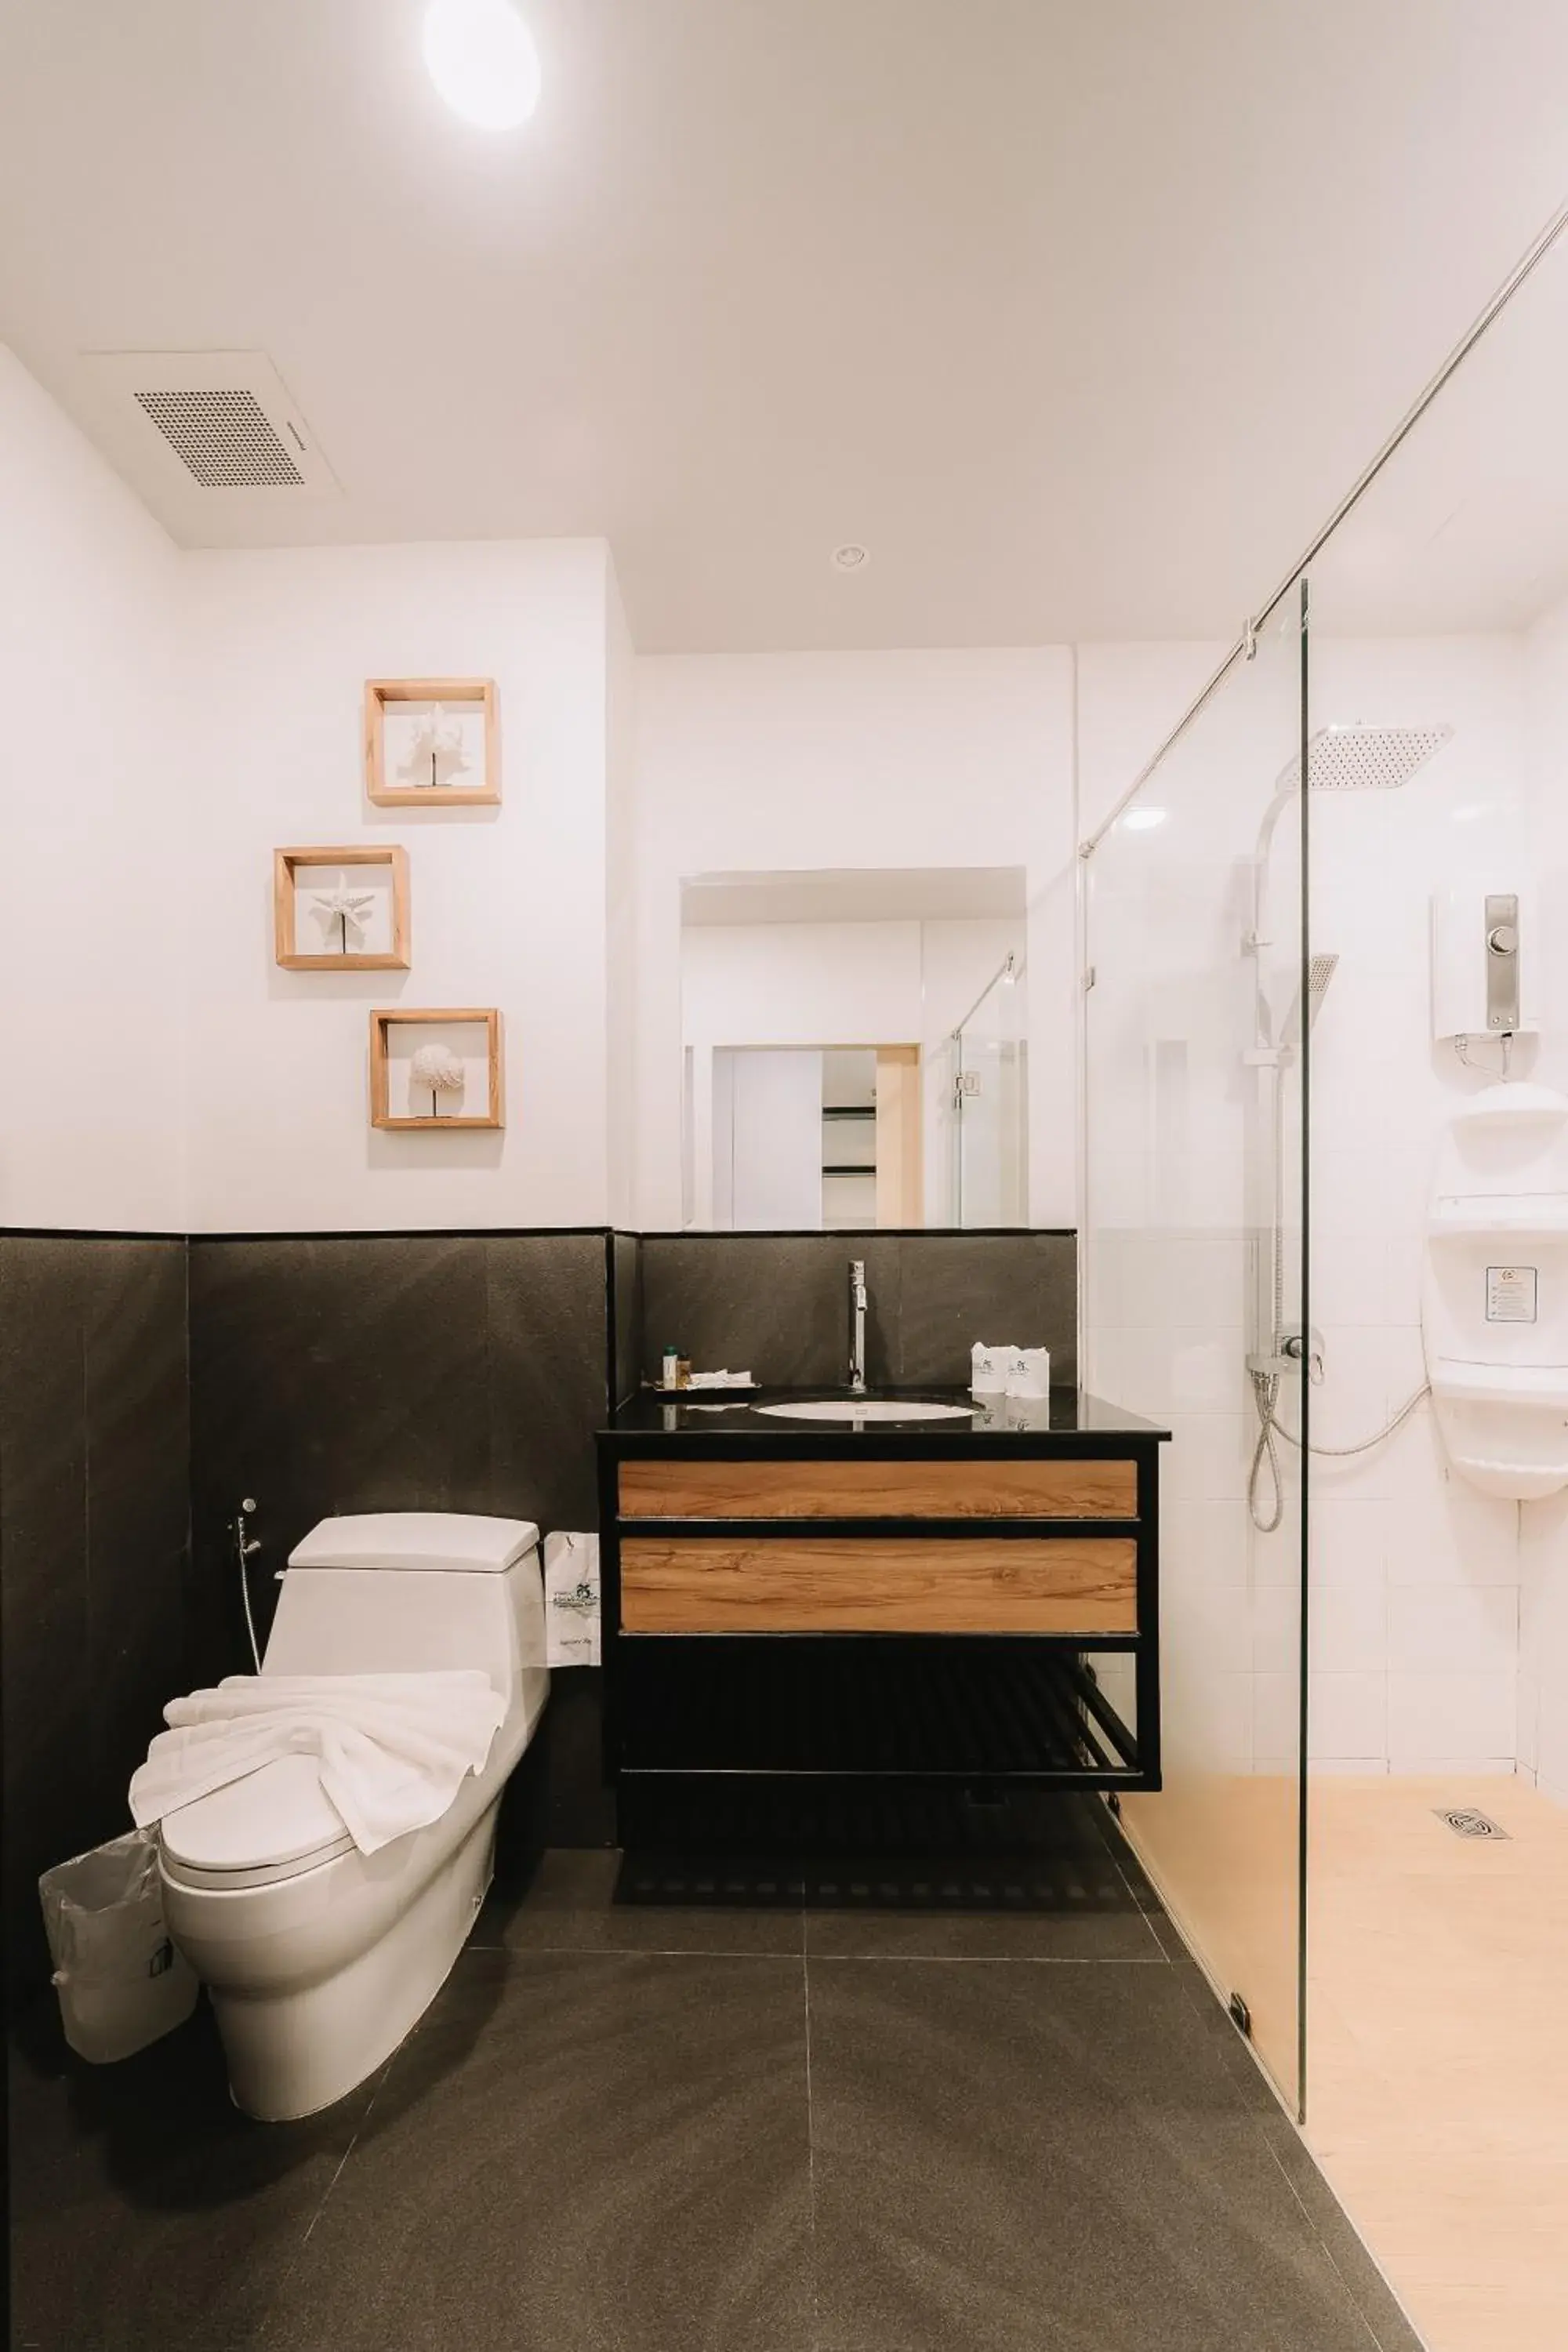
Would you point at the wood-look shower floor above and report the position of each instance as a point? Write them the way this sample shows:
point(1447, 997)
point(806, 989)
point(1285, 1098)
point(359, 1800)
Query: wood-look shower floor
point(1438, 2049)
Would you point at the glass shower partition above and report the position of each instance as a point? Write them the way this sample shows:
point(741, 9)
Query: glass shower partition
point(1194, 1287)
point(988, 1133)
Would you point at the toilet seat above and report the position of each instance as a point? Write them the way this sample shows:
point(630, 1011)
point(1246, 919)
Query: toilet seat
point(273, 1825)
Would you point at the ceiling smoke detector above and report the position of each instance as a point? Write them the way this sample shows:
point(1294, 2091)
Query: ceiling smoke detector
point(215, 421)
point(851, 557)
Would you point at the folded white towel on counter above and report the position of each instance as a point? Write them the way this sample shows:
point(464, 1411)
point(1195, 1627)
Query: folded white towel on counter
point(393, 1749)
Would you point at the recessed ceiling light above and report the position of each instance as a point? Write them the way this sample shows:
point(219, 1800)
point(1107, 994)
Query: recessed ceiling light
point(851, 557)
point(482, 59)
point(1142, 819)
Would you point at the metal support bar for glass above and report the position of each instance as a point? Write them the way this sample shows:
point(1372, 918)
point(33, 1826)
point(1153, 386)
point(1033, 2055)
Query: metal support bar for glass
point(1010, 968)
point(1535, 254)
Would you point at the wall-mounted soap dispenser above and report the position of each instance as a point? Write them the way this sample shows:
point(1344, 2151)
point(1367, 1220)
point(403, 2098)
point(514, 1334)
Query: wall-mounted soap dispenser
point(1485, 963)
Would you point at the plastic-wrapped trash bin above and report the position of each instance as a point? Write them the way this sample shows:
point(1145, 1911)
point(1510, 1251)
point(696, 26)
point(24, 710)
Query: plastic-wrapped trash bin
point(122, 1983)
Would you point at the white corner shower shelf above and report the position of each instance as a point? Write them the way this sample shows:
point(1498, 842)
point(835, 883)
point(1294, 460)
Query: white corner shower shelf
point(1494, 1301)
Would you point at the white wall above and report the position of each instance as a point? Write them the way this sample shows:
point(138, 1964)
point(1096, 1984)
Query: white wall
point(1544, 1526)
point(803, 760)
point(221, 717)
point(801, 983)
point(510, 905)
point(93, 774)
point(620, 910)
point(1129, 697)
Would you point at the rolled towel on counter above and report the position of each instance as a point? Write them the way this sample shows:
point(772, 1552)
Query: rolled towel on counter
point(393, 1749)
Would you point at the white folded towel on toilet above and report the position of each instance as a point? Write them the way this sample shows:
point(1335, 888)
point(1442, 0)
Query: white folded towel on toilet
point(392, 1750)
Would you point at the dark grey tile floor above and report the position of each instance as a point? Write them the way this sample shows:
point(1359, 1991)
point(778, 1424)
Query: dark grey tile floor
point(882, 2119)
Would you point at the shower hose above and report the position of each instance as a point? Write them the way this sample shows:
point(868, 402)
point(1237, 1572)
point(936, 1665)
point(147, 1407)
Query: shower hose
point(1266, 1453)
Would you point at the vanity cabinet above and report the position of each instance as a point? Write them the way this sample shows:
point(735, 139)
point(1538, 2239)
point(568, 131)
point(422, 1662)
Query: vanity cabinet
point(797, 1603)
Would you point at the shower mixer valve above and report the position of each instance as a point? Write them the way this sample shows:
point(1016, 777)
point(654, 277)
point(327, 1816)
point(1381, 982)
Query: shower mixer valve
point(1291, 1350)
point(1298, 1348)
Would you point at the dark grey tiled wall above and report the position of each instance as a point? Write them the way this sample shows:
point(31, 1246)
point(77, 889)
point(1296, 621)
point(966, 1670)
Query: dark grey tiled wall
point(371, 1373)
point(625, 1331)
point(777, 1305)
point(95, 1577)
point(400, 1372)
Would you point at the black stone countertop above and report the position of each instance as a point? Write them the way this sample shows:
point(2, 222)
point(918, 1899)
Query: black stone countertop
point(1071, 1415)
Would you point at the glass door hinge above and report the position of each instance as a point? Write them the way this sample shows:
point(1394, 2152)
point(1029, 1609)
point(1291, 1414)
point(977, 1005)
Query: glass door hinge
point(1087, 982)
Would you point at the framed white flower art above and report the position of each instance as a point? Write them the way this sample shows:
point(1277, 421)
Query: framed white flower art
point(340, 909)
point(432, 742)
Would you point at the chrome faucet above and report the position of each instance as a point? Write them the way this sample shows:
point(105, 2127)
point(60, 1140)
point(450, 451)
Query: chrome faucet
point(857, 1326)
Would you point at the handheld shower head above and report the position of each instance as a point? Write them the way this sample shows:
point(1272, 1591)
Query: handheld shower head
point(1321, 970)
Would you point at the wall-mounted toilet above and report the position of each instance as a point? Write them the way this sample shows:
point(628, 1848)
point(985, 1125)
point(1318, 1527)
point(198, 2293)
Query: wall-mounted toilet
point(319, 1958)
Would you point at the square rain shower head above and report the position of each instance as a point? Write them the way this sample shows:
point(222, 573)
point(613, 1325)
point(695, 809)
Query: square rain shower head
point(1364, 758)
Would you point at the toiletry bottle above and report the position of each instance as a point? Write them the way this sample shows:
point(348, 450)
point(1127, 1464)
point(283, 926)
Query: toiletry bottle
point(683, 1372)
point(670, 1374)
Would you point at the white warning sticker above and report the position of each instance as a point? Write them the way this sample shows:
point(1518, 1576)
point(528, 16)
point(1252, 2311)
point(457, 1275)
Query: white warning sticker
point(1510, 1294)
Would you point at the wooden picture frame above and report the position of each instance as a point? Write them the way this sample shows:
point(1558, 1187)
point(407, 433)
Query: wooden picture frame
point(286, 863)
point(381, 692)
point(385, 1019)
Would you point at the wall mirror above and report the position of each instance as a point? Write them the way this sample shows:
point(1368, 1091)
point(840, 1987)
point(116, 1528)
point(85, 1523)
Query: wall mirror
point(854, 1049)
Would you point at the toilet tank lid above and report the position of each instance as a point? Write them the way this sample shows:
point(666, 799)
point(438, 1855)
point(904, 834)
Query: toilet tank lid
point(423, 1539)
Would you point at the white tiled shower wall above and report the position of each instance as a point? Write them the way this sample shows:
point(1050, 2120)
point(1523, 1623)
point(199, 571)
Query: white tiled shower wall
point(1415, 1576)
point(1415, 1655)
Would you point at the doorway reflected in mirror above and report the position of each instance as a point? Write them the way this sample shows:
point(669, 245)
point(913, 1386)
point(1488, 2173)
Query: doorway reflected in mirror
point(854, 1049)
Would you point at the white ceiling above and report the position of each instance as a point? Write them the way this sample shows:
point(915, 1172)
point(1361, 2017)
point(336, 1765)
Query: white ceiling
point(1466, 525)
point(1078, 313)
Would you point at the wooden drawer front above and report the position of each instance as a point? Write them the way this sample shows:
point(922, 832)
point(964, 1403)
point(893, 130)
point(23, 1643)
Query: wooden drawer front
point(1058, 1489)
point(865, 1584)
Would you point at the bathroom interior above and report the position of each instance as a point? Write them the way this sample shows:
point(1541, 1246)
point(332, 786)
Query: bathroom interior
point(563, 858)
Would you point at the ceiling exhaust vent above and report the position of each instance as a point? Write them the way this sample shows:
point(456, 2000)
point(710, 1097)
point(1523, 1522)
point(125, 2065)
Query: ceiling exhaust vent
point(217, 420)
point(225, 437)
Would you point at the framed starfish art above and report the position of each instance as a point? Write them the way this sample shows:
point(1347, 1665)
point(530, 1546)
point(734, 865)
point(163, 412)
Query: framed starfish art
point(340, 909)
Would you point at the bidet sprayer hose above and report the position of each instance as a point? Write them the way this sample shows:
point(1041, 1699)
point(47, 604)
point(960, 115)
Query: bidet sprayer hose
point(244, 1547)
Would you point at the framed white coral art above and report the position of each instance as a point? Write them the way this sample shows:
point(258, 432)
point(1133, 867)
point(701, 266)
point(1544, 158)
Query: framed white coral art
point(340, 909)
point(432, 742)
point(436, 1069)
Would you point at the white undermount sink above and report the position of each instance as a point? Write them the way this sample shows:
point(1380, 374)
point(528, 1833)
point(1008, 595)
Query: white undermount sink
point(866, 1409)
